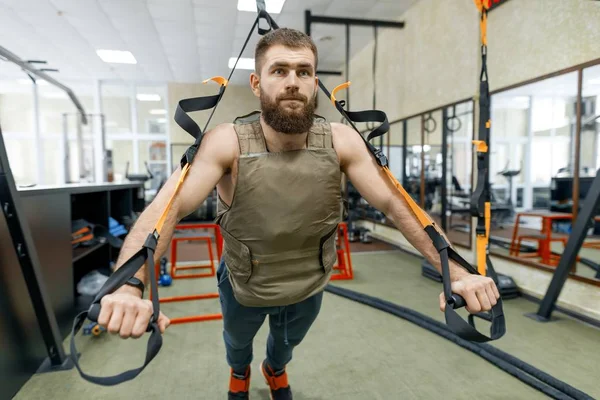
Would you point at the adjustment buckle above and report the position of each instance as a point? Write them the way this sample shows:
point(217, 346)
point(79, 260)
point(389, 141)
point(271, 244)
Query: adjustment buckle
point(380, 157)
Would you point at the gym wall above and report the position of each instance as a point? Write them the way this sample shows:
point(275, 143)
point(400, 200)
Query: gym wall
point(238, 100)
point(435, 59)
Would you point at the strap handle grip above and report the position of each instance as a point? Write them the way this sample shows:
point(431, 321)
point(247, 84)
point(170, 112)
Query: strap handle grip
point(115, 281)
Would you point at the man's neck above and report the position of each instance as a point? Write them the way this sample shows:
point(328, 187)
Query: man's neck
point(277, 141)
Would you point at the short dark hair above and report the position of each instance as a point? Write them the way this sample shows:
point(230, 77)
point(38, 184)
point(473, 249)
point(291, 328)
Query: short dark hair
point(287, 37)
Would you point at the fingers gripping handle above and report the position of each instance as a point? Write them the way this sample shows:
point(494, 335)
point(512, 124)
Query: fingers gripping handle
point(94, 313)
point(454, 321)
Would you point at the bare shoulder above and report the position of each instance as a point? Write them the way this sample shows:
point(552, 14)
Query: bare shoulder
point(347, 143)
point(220, 144)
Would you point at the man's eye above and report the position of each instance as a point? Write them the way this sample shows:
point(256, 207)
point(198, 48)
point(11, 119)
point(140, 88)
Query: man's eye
point(304, 73)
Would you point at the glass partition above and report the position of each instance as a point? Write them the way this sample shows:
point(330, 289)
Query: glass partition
point(541, 132)
point(394, 150)
point(116, 106)
point(533, 164)
point(413, 158)
point(589, 165)
point(459, 163)
point(151, 107)
point(431, 161)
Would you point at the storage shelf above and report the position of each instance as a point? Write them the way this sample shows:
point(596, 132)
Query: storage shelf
point(81, 252)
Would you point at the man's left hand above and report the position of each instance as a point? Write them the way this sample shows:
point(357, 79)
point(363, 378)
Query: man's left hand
point(480, 293)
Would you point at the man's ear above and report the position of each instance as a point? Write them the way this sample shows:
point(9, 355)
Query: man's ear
point(255, 84)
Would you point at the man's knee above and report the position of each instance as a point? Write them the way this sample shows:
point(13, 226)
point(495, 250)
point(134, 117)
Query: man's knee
point(236, 340)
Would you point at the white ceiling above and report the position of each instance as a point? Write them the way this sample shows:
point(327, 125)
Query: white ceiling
point(172, 40)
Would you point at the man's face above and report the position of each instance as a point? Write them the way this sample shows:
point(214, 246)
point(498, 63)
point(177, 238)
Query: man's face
point(287, 87)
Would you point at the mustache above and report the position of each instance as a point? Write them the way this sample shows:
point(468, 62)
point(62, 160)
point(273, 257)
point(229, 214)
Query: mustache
point(298, 97)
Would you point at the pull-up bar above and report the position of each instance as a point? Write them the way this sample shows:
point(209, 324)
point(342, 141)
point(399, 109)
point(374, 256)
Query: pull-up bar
point(10, 56)
point(314, 19)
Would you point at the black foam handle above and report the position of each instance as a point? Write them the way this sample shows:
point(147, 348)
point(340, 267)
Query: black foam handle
point(456, 301)
point(94, 312)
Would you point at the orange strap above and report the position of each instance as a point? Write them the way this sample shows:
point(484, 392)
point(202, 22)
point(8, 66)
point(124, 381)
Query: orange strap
point(483, 6)
point(421, 216)
point(482, 241)
point(339, 87)
point(161, 221)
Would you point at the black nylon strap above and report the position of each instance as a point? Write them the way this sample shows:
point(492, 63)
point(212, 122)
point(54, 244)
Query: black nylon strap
point(115, 281)
point(481, 194)
point(377, 115)
point(195, 104)
point(456, 323)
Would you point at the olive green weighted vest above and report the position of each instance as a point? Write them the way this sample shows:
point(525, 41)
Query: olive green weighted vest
point(279, 232)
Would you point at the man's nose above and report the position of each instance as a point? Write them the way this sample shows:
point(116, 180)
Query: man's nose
point(291, 81)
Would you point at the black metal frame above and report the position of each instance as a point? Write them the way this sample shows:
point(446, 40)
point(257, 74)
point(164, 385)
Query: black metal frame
point(404, 151)
point(444, 167)
point(310, 19)
point(30, 265)
point(569, 256)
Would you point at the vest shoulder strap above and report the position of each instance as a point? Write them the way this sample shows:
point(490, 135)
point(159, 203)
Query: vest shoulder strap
point(250, 137)
point(319, 136)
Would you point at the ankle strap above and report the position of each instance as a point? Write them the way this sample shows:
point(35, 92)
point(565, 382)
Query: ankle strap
point(275, 382)
point(237, 385)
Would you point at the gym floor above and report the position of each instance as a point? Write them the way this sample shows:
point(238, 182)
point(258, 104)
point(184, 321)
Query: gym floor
point(352, 352)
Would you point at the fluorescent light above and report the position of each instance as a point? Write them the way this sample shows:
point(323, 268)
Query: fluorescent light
point(158, 112)
point(273, 6)
point(243, 63)
point(116, 56)
point(161, 120)
point(148, 97)
point(26, 81)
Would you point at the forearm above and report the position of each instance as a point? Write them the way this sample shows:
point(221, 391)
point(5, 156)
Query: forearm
point(404, 219)
point(139, 233)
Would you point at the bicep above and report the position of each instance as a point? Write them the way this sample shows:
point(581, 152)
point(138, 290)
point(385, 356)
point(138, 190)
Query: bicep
point(362, 169)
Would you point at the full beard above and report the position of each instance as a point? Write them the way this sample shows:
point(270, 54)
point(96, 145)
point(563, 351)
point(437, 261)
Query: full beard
point(285, 120)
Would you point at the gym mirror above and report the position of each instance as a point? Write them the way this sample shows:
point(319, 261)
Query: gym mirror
point(533, 132)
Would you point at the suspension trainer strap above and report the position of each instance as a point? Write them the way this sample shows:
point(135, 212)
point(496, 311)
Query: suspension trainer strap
point(481, 199)
point(118, 279)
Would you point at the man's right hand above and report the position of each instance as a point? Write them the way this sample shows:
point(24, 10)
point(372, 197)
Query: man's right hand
point(126, 313)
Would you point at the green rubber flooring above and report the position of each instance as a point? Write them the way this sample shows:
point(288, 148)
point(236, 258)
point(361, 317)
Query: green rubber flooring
point(352, 352)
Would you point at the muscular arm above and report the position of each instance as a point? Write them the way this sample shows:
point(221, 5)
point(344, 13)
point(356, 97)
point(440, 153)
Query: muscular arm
point(214, 158)
point(375, 186)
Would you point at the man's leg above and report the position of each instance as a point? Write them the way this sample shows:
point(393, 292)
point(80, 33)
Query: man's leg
point(288, 328)
point(240, 324)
